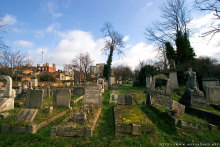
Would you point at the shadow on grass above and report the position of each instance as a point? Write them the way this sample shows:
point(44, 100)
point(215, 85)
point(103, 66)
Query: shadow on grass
point(166, 130)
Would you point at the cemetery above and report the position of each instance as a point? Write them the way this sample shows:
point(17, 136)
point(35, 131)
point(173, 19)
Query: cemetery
point(65, 80)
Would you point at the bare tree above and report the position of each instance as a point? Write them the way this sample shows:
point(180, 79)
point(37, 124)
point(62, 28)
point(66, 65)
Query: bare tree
point(123, 73)
point(114, 43)
point(2, 30)
point(81, 63)
point(210, 6)
point(12, 59)
point(174, 18)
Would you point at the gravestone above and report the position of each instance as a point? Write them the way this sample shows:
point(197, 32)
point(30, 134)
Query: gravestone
point(79, 118)
point(173, 76)
point(46, 90)
point(26, 115)
point(7, 94)
point(157, 96)
point(192, 95)
point(148, 81)
point(61, 97)
point(114, 96)
point(78, 90)
point(34, 98)
point(178, 106)
point(124, 99)
point(34, 82)
point(106, 85)
point(101, 82)
point(92, 95)
point(213, 94)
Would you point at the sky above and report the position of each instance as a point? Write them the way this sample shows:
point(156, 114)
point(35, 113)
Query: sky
point(64, 28)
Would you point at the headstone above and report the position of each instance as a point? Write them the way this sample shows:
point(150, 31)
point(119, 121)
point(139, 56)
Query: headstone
point(34, 98)
point(148, 81)
point(78, 90)
point(92, 95)
point(7, 94)
point(106, 85)
point(156, 96)
point(26, 115)
point(114, 96)
point(80, 117)
point(178, 106)
point(124, 99)
point(8, 87)
point(173, 80)
point(101, 82)
point(128, 100)
point(121, 99)
point(46, 91)
point(48, 110)
point(192, 95)
point(34, 82)
point(61, 97)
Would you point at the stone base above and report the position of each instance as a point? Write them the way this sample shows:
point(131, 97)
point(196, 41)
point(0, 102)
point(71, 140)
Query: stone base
point(62, 131)
point(6, 104)
point(32, 128)
point(190, 126)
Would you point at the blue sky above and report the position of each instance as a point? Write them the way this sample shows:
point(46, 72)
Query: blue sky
point(64, 28)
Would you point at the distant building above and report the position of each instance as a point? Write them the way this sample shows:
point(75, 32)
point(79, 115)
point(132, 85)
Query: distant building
point(46, 68)
point(97, 71)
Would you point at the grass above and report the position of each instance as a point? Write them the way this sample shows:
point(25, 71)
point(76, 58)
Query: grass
point(104, 132)
point(185, 117)
point(128, 115)
point(210, 109)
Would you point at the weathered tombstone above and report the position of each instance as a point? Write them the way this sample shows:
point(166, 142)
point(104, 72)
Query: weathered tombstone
point(7, 91)
point(192, 95)
point(7, 94)
point(148, 81)
point(61, 97)
point(26, 115)
point(79, 117)
point(92, 95)
point(161, 97)
point(46, 91)
point(177, 106)
point(213, 94)
point(128, 100)
point(28, 85)
point(124, 99)
point(78, 90)
point(34, 98)
point(101, 82)
point(173, 76)
point(114, 96)
point(34, 82)
point(106, 85)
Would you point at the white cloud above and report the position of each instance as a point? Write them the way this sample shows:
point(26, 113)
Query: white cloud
point(23, 43)
point(147, 5)
point(126, 38)
point(140, 51)
point(8, 20)
point(73, 43)
point(52, 7)
point(205, 46)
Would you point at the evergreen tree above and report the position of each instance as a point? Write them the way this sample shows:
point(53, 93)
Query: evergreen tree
point(170, 53)
point(184, 50)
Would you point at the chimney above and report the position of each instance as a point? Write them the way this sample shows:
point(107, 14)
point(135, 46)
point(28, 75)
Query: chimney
point(54, 67)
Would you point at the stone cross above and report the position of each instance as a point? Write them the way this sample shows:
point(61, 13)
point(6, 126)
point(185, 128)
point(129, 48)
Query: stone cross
point(191, 79)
